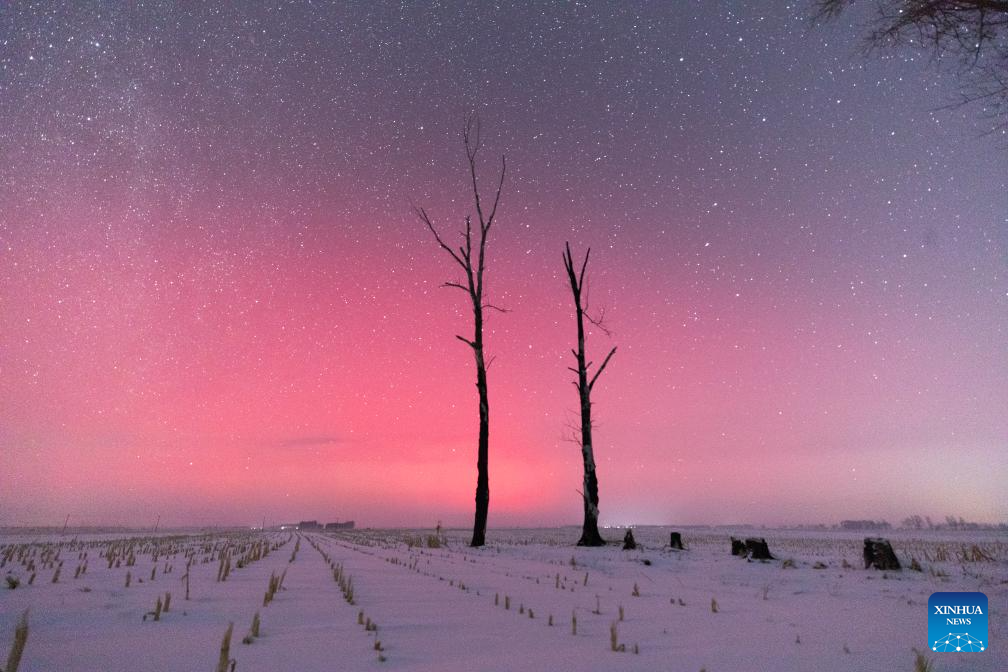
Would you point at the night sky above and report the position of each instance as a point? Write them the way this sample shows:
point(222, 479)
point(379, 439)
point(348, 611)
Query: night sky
point(217, 305)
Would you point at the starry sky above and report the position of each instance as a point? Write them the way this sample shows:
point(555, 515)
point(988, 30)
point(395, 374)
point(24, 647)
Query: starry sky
point(218, 307)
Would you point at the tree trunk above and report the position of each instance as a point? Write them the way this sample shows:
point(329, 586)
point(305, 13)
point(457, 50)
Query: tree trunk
point(758, 549)
point(482, 460)
point(878, 553)
point(589, 529)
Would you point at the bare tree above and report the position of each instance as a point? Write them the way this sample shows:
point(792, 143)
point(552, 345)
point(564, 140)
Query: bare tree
point(589, 530)
point(471, 256)
point(972, 34)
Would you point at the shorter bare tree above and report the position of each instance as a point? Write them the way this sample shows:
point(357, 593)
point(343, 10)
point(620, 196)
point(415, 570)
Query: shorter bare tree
point(589, 530)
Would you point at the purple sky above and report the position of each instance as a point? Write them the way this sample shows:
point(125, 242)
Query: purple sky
point(217, 306)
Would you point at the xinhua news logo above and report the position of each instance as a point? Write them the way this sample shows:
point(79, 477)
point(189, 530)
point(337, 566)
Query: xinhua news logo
point(957, 622)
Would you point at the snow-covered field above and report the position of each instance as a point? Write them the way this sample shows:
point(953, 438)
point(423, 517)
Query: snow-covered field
point(507, 606)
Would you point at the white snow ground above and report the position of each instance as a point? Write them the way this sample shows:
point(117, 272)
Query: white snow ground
point(445, 608)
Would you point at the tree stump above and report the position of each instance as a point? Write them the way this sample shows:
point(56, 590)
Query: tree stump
point(737, 547)
point(757, 549)
point(878, 553)
point(628, 541)
point(675, 541)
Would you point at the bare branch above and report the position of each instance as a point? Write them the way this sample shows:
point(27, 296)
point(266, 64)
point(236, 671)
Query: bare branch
point(972, 34)
point(601, 368)
point(455, 285)
point(568, 259)
point(598, 321)
point(471, 149)
point(472, 127)
point(422, 215)
point(468, 241)
point(584, 265)
point(465, 340)
point(497, 308)
point(500, 186)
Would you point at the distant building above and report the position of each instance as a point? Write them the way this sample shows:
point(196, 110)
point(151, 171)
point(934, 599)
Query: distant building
point(864, 525)
point(307, 525)
point(348, 525)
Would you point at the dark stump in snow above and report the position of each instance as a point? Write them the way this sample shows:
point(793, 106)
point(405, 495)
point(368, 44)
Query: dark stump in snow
point(676, 541)
point(737, 547)
point(628, 541)
point(757, 549)
point(878, 553)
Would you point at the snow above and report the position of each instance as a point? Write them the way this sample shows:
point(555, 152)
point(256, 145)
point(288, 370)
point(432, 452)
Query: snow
point(435, 607)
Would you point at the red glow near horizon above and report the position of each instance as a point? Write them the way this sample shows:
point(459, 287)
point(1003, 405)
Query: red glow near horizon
point(168, 389)
point(217, 307)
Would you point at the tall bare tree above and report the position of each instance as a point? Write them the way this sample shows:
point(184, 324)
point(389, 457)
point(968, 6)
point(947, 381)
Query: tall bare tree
point(972, 34)
point(471, 257)
point(589, 530)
